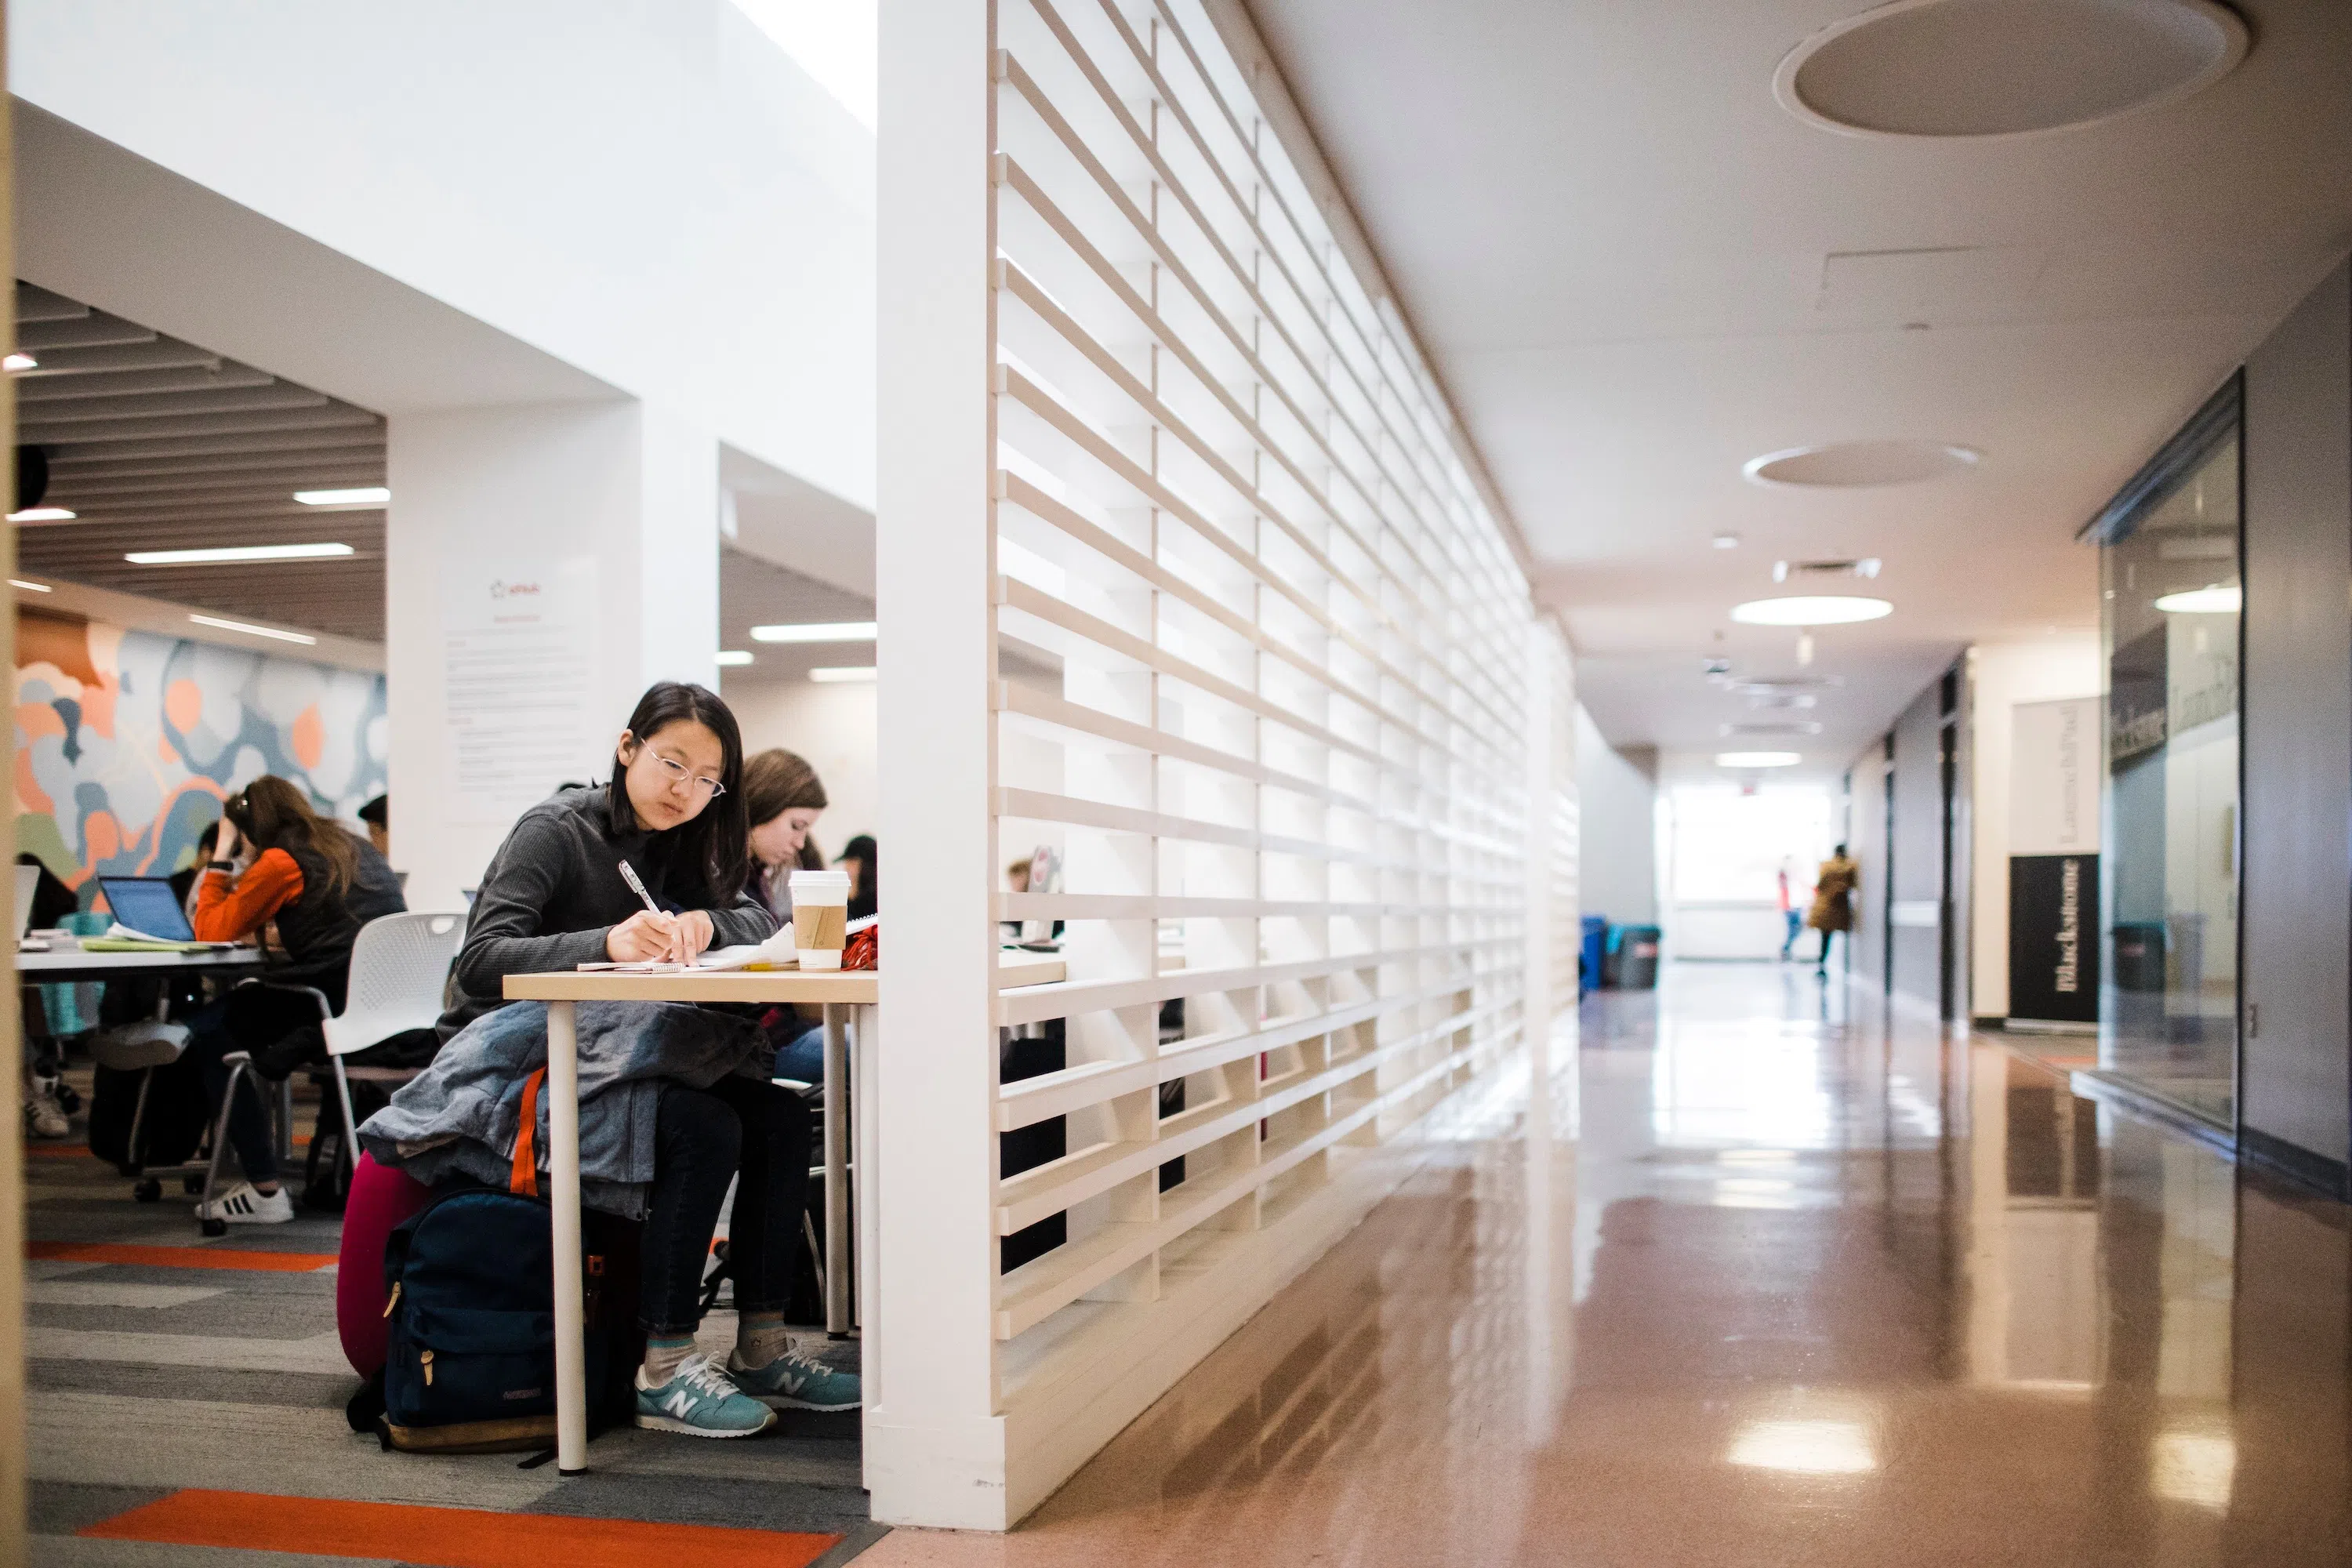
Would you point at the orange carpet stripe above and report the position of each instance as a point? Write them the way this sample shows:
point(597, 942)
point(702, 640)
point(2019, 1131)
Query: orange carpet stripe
point(449, 1537)
point(179, 1257)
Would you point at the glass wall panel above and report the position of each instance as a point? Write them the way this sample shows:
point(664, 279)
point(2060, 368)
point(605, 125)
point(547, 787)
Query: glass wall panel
point(2169, 576)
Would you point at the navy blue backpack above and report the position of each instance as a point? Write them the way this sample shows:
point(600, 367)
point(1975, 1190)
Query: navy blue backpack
point(471, 1279)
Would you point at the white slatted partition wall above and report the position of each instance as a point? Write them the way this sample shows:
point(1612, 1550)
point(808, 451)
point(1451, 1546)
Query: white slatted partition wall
point(1264, 682)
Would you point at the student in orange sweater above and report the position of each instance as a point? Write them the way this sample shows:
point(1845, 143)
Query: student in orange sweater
point(279, 867)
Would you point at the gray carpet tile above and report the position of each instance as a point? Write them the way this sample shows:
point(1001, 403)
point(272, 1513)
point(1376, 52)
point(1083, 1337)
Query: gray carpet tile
point(297, 1391)
point(63, 1551)
point(60, 1508)
point(679, 1499)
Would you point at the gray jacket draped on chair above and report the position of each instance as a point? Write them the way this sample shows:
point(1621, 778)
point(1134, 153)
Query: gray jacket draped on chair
point(461, 1117)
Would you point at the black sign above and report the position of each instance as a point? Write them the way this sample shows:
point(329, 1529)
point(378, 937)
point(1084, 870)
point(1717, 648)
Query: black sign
point(2053, 938)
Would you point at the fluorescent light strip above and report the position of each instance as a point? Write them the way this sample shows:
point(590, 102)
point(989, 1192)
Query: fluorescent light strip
point(365, 495)
point(19, 360)
point(234, 552)
point(729, 658)
point(836, 674)
point(818, 631)
point(36, 587)
point(42, 514)
point(251, 630)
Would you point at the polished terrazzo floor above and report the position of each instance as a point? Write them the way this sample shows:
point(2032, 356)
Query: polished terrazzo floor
point(1768, 1276)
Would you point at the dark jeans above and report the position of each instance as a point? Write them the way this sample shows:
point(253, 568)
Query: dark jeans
point(249, 1122)
point(703, 1138)
point(281, 1028)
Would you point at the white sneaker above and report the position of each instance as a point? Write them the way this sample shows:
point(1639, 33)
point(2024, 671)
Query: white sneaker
point(45, 1118)
point(242, 1204)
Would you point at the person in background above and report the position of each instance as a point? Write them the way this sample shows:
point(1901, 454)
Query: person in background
point(553, 898)
point(857, 858)
point(184, 880)
point(377, 815)
point(1792, 920)
point(48, 1102)
point(277, 860)
point(1833, 909)
point(782, 798)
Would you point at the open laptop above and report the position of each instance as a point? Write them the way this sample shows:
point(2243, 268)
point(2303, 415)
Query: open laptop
point(148, 906)
point(28, 883)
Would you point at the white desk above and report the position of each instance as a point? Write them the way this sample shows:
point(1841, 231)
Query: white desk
point(847, 997)
point(65, 962)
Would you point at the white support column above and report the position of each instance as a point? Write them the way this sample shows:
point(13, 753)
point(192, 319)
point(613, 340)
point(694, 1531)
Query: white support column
point(608, 513)
point(935, 1445)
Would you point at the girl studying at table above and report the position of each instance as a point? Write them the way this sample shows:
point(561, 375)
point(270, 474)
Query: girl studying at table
point(279, 865)
point(554, 898)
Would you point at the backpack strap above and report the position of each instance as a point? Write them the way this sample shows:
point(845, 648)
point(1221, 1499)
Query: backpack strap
point(525, 1176)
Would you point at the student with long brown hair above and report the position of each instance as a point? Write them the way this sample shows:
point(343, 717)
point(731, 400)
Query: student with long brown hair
point(782, 798)
point(278, 867)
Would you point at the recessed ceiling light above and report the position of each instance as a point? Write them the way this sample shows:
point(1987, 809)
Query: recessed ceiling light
point(35, 587)
point(41, 514)
point(2214, 600)
point(226, 553)
point(365, 495)
point(1757, 758)
point(19, 362)
point(1848, 465)
point(1727, 542)
point(2005, 68)
point(730, 657)
point(1817, 610)
point(251, 630)
point(816, 631)
point(842, 674)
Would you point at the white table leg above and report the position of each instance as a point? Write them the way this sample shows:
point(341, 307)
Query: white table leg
point(563, 1201)
point(836, 1172)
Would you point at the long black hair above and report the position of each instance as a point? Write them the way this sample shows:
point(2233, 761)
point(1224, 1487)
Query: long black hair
point(714, 841)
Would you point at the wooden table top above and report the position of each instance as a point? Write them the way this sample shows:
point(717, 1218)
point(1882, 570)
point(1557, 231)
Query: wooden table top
point(852, 987)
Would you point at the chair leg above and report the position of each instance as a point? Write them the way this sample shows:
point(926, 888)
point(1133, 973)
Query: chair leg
point(286, 1122)
point(816, 1251)
point(134, 1165)
point(238, 1062)
point(351, 1128)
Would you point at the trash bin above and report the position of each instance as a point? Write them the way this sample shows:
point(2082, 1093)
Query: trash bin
point(2139, 955)
point(1633, 961)
point(1590, 953)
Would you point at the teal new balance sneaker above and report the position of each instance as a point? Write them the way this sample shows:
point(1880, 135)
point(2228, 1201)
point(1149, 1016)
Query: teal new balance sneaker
point(701, 1401)
point(799, 1382)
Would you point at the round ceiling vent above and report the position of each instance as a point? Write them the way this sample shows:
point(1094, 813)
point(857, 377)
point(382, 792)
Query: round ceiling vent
point(1854, 464)
point(2005, 68)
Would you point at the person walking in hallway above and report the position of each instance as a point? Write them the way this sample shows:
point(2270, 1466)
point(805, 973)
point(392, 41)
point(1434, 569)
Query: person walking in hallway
point(1833, 909)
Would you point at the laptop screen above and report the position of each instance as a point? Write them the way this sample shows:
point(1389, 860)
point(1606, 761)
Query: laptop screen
point(147, 905)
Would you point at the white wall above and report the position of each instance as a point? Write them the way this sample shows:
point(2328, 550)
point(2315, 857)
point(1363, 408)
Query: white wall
point(655, 194)
point(833, 727)
point(2003, 675)
point(1618, 798)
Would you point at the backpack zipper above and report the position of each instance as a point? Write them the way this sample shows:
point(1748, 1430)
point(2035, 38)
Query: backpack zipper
point(428, 1360)
point(388, 1305)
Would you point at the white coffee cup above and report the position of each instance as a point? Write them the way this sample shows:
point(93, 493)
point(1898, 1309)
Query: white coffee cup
point(820, 916)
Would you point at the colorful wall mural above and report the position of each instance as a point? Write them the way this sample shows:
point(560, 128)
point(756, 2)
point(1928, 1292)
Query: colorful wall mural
point(127, 742)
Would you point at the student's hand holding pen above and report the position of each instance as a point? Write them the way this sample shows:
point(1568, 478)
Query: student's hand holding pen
point(649, 936)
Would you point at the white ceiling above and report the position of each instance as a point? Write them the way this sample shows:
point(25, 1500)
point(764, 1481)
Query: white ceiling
point(1618, 250)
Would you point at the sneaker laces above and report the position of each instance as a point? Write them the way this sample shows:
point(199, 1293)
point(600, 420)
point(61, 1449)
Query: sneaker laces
point(704, 1375)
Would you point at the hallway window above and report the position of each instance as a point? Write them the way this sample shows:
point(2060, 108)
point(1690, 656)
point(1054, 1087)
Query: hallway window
point(2169, 557)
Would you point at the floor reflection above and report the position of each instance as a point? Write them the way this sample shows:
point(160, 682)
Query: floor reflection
point(1811, 1284)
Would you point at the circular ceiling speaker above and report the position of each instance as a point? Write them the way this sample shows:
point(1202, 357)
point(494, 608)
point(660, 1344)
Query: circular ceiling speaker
point(1858, 464)
point(2005, 68)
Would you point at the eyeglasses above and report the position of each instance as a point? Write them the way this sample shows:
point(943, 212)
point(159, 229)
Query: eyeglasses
point(709, 789)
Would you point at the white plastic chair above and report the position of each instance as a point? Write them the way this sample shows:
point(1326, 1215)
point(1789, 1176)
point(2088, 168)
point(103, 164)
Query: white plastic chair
point(400, 967)
point(398, 974)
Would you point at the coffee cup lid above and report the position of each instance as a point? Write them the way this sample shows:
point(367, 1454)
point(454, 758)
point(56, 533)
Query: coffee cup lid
point(820, 881)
